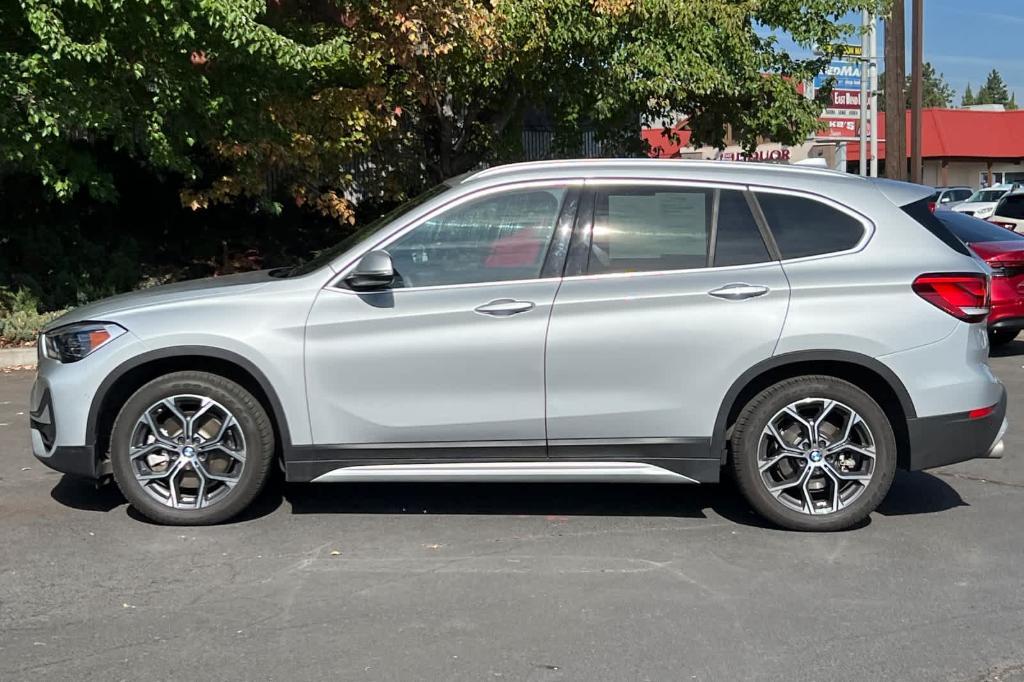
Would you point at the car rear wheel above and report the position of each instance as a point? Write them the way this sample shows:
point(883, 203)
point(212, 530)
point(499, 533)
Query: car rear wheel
point(813, 453)
point(1001, 337)
point(191, 448)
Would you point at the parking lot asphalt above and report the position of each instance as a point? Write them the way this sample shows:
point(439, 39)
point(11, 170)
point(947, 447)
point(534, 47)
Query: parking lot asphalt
point(513, 582)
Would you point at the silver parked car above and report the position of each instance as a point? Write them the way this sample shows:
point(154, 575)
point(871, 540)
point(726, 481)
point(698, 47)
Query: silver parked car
point(806, 331)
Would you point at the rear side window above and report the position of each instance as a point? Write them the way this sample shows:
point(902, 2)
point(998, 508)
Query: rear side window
point(805, 227)
point(922, 213)
point(643, 229)
point(640, 229)
point(1012, 207)
point(738, 240)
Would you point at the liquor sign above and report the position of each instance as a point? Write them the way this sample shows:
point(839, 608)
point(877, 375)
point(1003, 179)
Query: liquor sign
point(783, 154)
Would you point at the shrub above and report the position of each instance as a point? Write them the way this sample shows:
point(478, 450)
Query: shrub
point(20, 319)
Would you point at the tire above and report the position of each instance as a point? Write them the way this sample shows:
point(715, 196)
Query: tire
point(752, 447)
point(998, 338)
point(235, 454)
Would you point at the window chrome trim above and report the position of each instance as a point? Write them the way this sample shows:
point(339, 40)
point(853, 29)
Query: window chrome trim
point(342, 271)
point(866, 222)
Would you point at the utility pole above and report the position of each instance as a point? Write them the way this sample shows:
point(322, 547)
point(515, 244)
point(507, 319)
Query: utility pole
point(872, 65)
point(895, 95)
point(863, 125)
point(917, 92)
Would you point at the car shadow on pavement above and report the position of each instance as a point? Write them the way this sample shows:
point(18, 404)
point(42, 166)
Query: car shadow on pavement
point(919, 492)
point(81, 493)
point(912, 493)
point(1008, 350)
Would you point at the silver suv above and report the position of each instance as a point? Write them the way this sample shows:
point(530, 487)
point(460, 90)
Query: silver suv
point(805, 331)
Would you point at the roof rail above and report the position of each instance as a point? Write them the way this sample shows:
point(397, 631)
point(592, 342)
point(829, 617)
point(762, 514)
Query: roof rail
point(634, 162)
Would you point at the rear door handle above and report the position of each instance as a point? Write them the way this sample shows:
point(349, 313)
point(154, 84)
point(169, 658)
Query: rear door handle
point(739, 291)
point(505, 307)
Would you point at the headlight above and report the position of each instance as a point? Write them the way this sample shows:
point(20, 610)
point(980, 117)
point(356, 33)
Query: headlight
point(75, 341)
point(984, 212)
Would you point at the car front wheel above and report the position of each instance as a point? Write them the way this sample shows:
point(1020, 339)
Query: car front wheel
point(191, 448)
point(813, 453)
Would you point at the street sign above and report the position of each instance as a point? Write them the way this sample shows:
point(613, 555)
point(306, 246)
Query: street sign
point(840, 127)
point(845, 99)
point(846, 74)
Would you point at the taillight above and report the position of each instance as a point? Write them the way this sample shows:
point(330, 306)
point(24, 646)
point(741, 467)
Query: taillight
point(931, 206)
point(962, 295)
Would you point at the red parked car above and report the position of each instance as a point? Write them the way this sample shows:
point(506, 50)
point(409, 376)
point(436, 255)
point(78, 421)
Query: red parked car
point(1003, 250)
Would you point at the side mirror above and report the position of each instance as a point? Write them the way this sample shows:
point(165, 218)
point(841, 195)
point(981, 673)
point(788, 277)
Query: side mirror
point(373, 271)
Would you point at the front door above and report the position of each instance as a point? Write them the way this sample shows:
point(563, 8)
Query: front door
point(449, 362)
point(666, 300)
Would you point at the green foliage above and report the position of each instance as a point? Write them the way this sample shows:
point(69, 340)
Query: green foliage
point(936, 92)
point(994, 91)
point(20, 319)
point(153, 139)
point(968, 98)
point(155, 79)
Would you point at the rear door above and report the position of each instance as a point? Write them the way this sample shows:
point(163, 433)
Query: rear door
point(670, 293)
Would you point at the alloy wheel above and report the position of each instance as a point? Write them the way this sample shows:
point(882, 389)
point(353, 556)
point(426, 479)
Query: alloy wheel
point(816, 456)
point(187, 451)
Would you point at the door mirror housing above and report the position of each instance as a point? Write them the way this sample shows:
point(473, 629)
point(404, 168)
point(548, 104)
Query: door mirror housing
point(373, 271)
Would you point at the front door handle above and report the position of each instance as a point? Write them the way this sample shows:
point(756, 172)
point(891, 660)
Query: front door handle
point(505, 307)
point(739, 291)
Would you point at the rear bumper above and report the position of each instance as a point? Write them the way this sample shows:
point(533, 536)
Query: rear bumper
point(950, 438)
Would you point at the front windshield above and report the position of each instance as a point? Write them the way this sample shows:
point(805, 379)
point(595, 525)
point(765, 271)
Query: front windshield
point(330, 253)
point(986, 195)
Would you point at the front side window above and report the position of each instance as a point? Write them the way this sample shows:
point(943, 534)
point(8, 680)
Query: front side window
point(496, 238)
point(805, 227)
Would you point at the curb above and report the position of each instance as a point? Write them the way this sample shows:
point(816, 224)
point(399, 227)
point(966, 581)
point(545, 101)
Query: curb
point(17, 357)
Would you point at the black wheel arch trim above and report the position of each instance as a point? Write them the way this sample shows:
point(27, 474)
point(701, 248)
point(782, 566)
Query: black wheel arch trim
point(211, 352)
point(718, 441)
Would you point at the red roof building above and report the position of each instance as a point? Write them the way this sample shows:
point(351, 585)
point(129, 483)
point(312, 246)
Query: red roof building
point(964, 146)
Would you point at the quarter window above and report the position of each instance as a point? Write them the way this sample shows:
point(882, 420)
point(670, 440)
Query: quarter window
point(493, 239)
point(805, 227)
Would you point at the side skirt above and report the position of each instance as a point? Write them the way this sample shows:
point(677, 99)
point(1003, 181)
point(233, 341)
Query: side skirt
point(655, 460)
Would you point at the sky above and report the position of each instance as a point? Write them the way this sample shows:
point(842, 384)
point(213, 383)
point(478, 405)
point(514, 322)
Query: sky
point(965, 39)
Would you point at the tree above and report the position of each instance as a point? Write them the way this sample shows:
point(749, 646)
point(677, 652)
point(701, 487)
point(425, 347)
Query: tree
point(937, 93)
point(994, 90)
point(244, 100)
point(968, 98)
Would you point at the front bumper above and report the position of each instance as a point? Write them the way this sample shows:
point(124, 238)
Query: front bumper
point(950, 438)
point(79, 460)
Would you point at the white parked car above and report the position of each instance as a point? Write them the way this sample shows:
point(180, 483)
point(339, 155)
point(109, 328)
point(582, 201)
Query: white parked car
point(982, 203)
point(1009, 212)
